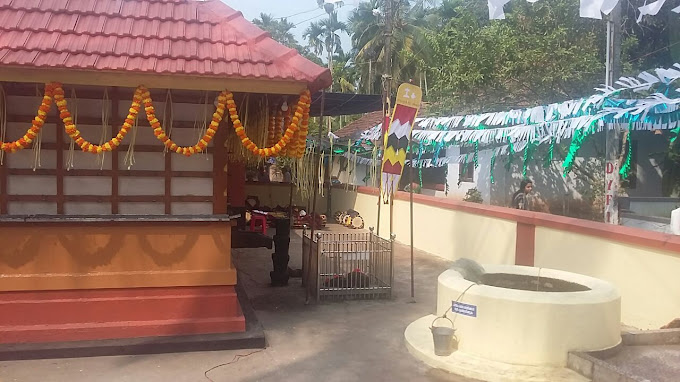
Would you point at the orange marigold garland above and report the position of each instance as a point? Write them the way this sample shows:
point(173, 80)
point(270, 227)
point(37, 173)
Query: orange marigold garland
point(271, 135)
point(202, 143)
point(278, 126)
point(275, 149)
point(74, 133)
point(38, 123)
point(297, 125)
point(302, 133)
point(142, 95)
point(293, 146)
point(286, 122)
point(299, 142)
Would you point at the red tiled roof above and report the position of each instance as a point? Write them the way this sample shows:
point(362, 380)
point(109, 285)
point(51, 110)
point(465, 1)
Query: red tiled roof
point(367, 121)
point(179, 37)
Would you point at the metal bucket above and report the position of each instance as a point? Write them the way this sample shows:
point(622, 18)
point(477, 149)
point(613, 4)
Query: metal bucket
point(444, 338)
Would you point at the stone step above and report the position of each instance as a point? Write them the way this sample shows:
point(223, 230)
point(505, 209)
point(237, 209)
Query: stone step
point(72, 315)
point(119, 329)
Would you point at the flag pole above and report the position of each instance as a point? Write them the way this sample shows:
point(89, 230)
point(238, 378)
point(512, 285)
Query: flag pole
point(313, 212)
point(410, 188)
point(387, 90)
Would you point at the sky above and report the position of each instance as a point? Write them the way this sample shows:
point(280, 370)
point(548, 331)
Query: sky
point(301, 12)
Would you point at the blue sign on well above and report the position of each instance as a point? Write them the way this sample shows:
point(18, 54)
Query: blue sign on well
point(464, 309)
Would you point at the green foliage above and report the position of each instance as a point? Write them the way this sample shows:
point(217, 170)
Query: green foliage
point(654, 41)
point(670, 181)
point(474, 196)
point(280, 30)
point(345, 75)
point(324, 35)
point(409, 46)
point(541, 53)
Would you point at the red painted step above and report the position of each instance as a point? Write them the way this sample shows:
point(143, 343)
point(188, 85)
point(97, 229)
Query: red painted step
point(49, 316)
point(100, 308)
point(123, 329)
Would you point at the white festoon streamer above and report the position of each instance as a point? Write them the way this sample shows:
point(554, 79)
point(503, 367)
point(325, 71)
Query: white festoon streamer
point(70, 157)
point(321, 174)
point(592, 9)
point(130, 155)
point(204, 125)
point(650, 9)
point(496, 9)
point(37, 142)
point(167, 121)
point(106, 117)
point(555, 121)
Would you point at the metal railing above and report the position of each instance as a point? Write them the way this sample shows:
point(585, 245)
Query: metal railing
point(352, 265)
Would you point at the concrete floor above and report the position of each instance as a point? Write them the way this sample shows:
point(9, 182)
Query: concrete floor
point(336, 341)
point(657, 363)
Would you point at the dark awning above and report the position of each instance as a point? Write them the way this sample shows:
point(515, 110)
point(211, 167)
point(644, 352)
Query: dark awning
point(345, 104)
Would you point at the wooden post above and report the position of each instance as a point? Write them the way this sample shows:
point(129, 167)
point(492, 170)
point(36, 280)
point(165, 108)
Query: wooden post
point(313, 212)
point(116, 122)
point(290, 203)
point(221, 171)
point(3, 185)
point(612, 132)
point(167, 197)
point(60, 166)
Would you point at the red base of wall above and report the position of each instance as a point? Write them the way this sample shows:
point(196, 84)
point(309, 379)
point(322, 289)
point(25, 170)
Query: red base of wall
point(77, 315)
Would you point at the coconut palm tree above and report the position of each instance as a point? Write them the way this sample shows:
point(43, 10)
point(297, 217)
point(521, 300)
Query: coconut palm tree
point(279, 29)
point(345, 76)
point(410, 50)
point(324, 35)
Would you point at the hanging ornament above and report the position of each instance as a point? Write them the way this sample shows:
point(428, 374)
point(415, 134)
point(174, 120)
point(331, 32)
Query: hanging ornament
point(465, 164)
point(511, 155)
point(37, 123)
point(491, 167)
point(420, 165)
point(528, 154)
point(475, 158)
point(295, 122)
point(625, 168)
point(576, 142)
point(549, 157)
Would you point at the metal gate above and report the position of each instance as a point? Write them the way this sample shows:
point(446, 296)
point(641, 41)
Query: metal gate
point(352, 265)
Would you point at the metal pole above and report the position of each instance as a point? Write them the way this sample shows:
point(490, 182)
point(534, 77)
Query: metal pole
point(393, 237)
point(290, 203)
point(329, 169)
point(410, 189)
point(314, 191)
point(612, 133)
point(387, 88)
point(392, 213)
point(332, 16)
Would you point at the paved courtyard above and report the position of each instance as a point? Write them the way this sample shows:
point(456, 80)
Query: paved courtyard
point(336, 341)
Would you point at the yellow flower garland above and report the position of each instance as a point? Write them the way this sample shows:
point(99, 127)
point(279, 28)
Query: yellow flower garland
point(296, 132)
point(38, 122)
point(302, 134)
point(202, 143)
point(301, 111)
point(74, 133)
point(142, 95)
point(286, 122)
point(271, 135)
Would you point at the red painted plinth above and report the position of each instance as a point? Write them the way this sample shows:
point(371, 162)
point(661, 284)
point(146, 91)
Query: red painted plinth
point(76, 315)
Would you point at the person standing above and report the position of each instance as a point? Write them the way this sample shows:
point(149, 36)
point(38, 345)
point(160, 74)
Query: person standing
point(520, 199)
